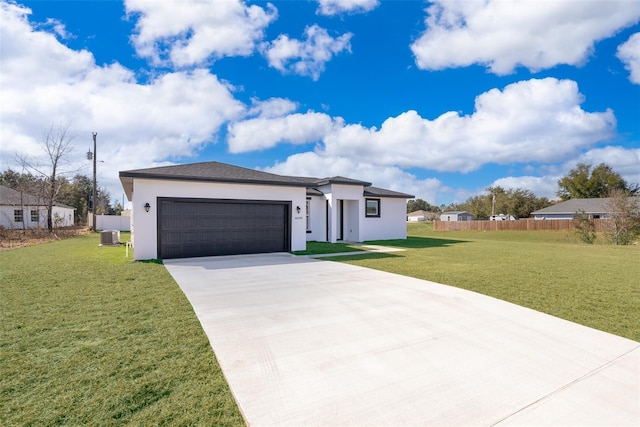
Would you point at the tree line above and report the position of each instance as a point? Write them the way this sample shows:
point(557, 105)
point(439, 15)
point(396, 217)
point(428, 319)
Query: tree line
point(582, 182)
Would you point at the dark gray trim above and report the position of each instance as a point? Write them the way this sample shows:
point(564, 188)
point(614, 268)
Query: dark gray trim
point(369, 199)
point(326, 218)
point(213, 179)
point(341, 213)
point(381, 192)
point(339, 180)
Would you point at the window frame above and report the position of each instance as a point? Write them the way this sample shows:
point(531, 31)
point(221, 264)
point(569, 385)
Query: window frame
point(366, 208)
point(35, 215)
point(18, 215)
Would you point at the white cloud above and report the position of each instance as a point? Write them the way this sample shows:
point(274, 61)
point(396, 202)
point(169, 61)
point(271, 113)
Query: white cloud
point(505, 34)
point(266, 132)
point(309, 56)
point(273, 107)
point(321, 166)
point(528, 121)
point(624, 161)
point(57, 27)
point(541, 186)
point(336, 7)
point(195, 31)
point(138, 125)
point(629, 54)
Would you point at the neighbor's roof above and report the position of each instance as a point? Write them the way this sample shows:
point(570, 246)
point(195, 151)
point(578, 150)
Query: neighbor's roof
point(222, 172)
point(571, 206)
point(11, 197)
point(455, 213)
point(419, 213)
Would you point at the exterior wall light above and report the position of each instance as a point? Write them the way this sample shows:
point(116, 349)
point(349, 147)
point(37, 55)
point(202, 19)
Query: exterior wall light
point(147, 206)
point(298, 209)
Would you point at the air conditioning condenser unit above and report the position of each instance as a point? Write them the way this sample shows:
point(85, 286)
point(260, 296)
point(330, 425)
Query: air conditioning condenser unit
point(110, 237)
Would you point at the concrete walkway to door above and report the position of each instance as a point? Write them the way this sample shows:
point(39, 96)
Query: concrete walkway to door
point(307, 342)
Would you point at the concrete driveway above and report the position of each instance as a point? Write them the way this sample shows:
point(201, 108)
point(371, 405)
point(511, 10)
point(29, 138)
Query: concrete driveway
point(307, 342)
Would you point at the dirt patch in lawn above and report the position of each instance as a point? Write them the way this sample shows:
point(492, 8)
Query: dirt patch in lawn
point(12, 239)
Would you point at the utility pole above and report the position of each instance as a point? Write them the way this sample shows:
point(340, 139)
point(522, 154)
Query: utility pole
point(493, 204)
point(95, 188)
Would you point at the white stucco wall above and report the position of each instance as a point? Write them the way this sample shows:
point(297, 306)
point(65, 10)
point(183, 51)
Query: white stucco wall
point(144, 224)
point(391, 224)
point(357, 227)
point(7, 217)
point(353, 208)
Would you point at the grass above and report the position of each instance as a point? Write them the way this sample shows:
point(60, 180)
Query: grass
point(594, 285)
point(91, 338)
point(314, 248)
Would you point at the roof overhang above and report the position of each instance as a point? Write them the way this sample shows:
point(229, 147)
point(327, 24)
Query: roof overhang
point(127, 178)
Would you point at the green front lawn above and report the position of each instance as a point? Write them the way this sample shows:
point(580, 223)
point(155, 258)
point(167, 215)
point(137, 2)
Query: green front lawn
point(91, 338)
point(314, 248)
point(594, 285)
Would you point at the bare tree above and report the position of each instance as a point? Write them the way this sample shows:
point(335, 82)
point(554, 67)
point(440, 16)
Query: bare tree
point(56, 144)
point(623, 211)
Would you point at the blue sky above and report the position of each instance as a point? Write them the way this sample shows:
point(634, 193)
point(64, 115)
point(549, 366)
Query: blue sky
point(437, 99)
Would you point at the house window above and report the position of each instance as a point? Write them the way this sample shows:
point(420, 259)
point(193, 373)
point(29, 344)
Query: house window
point(372, 208)
point(34, 216)
point(18, 215)
point(308, 214)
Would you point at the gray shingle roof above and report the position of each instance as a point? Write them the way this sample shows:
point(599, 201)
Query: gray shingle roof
point(214, 171)
point(11, 197)
point(456, 213)
point(210, 172)
point(571, 206)
point(381, 192)
point(222, 172)
point(341, 180)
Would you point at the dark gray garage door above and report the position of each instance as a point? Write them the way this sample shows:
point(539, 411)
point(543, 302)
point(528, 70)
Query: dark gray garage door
point(197, 227)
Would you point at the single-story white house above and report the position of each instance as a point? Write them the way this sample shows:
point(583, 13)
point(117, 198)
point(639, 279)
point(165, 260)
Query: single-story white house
point(212, 208)
point(456, 216)
point(22, 210)
point(420, 215)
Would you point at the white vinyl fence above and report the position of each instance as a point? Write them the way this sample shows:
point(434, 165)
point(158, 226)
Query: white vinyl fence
point(111, 222)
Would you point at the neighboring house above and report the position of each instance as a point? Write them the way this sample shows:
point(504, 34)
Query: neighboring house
point(456, 216)
point(594, 208)
point(420, 216)
point(212, 208)
point(23, 210)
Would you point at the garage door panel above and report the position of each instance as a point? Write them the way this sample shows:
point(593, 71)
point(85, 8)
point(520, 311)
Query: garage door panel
point(211, 227)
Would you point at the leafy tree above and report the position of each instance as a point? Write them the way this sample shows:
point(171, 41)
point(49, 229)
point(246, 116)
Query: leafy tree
point(587, 182)
point(517, 202)
point(420, 205)
point(77, 193)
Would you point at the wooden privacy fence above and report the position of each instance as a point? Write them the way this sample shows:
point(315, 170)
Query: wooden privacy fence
point(517, 225)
